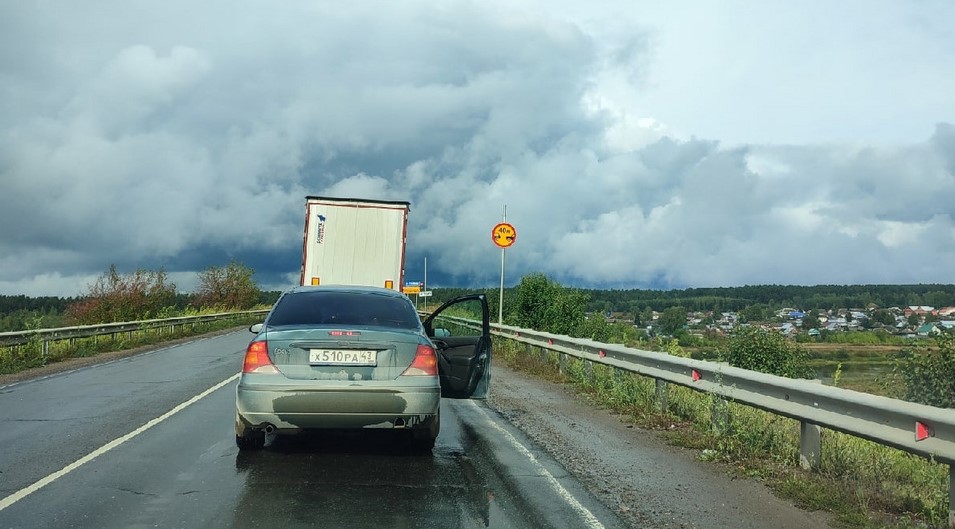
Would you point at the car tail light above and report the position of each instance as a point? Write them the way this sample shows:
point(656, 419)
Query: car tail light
point(425, 363)
point(257, 359)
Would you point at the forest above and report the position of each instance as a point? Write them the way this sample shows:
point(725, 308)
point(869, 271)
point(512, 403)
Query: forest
point(19, 312)
point(776, 296)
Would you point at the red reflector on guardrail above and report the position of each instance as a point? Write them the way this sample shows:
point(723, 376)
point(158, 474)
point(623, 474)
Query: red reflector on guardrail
point(550, 342)
point(697, 375)
point(922, 431)
point(601, 354)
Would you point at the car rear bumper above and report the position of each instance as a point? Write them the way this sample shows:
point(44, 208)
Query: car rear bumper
point(341, 407)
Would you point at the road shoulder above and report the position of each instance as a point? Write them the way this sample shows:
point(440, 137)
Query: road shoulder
point(648, 482)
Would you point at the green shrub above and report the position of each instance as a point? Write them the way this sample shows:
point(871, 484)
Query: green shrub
point(544, 305)
point(928, 376)
point(759, 349)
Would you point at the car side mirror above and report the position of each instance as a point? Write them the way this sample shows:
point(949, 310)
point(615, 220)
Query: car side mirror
point(256, 328)
point(441, 333)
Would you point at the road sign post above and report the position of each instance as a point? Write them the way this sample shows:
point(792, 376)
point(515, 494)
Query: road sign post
point(503, 235)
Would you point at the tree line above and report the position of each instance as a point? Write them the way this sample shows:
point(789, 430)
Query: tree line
point(727, 299)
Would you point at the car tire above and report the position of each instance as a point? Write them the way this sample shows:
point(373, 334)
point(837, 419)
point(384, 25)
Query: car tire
point(252, 440)
point(422, 445)
point(422, 439)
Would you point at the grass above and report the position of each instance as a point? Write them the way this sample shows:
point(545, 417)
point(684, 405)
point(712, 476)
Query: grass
point(863, 485)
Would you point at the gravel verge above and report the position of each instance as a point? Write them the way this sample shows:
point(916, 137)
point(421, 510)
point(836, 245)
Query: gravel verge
point(633, 471)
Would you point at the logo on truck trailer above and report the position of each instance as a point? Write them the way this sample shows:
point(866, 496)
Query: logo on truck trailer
point(321, 229)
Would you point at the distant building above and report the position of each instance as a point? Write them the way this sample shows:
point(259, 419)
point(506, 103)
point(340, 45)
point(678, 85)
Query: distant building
point(918, 310)
point(929, 329)
point(946, 312)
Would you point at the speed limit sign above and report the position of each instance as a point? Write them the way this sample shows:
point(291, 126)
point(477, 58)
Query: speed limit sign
point(503, 235)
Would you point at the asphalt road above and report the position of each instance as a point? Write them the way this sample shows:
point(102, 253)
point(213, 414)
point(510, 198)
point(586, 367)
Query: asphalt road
point(148, 441)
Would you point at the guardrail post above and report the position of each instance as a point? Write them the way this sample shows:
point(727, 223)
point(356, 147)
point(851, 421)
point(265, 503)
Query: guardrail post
point(662, 393)
point(46, 348)
point(810, 445)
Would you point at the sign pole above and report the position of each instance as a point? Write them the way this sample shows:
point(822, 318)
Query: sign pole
point(500, 305)
point(425, 281)
point(503, 235)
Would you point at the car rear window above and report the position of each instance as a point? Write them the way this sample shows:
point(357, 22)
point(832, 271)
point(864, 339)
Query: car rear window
point(344, 308)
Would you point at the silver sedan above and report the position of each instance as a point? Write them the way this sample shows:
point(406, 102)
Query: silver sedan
point(359, 357)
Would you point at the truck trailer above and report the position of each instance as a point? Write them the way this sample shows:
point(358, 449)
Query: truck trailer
point(352, 241)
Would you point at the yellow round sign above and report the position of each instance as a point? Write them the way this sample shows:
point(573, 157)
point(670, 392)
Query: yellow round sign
point(503, 235)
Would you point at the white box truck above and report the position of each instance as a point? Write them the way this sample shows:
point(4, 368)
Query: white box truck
point(354, 242)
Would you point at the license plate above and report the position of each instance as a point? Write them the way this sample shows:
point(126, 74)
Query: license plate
point(340, 357)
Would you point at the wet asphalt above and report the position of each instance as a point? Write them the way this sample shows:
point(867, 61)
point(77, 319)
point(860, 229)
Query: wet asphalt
point(110, 446)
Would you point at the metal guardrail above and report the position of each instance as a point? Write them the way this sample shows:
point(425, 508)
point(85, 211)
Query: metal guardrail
point(923, 430)
point(45, 336)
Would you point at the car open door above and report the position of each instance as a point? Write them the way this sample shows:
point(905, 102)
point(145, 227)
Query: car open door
point(461, 333)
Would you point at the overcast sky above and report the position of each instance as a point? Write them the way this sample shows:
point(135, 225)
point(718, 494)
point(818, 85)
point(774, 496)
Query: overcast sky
point(635, 145)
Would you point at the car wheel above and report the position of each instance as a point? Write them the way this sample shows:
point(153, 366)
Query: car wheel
point(252, 440)
point(422, 445)
point(422, 439)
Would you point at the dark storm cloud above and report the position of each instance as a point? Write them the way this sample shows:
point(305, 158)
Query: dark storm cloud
point(182, 136)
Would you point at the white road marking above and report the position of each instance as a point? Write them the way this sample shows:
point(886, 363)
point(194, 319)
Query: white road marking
point(26, 491)
point(587, 517)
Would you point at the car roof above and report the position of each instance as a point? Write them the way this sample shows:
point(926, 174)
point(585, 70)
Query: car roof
point(355, 289)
